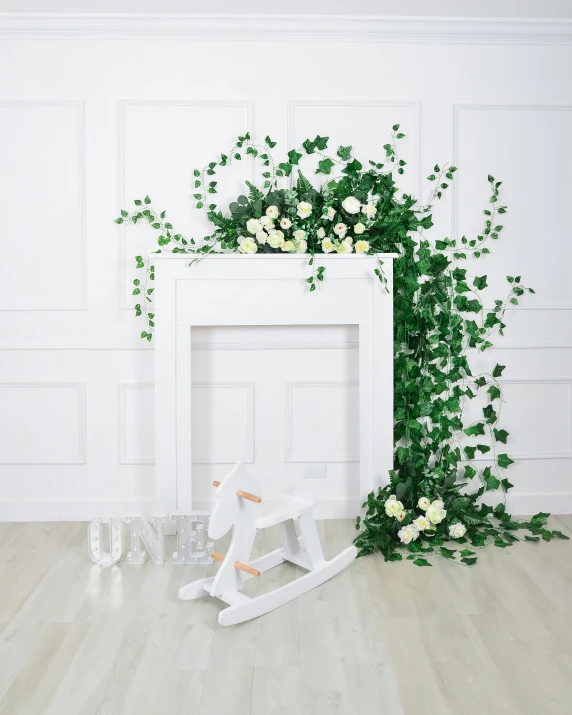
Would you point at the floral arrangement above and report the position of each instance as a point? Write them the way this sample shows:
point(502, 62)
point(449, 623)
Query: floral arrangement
point(436, 492)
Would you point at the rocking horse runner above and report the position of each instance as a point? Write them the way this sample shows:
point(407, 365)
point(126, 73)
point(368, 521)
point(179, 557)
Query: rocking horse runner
point(238, 506)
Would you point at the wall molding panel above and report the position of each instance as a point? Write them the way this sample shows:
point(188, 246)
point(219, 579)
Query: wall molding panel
point(79, 456)
point(122, 199)
point(290, 454)
point(79, 105)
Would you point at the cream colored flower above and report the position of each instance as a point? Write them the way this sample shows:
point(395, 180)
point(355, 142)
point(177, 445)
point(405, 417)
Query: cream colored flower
point(369, 210)
point(392, 506)
point(436, 513)
point(329, 213)
point(327, 245)
point(351, 205)
point(359, 228)
point(458, 530)
point(342, 247)
point(423, 503)
point(288, 246)
point(304, 209)
point(261, 237)
point(276, 239)
point(422, 523)
point(253, 226)
point(401, 515)
point(320, 233)
point(407, 534)
point(302, 246)
point(285, 223)
point(272, 212)
point(340, 229)
point(362, 246)
point(299, 235)
point(266, 221)
point(247, 245)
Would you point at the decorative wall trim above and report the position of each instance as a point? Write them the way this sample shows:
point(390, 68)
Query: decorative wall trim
point(81, 186)
point(524, 456)
point(122, 388)
point(250, 433)
point(458, 107)
point(122, 160)
point(289, 454)
point(250, 424)
point(81, 457)
point(412, 133)
point(62, 510)
point(311, 28)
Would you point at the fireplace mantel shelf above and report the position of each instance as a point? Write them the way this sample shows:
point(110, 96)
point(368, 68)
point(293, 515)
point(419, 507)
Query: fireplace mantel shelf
point(234, 290)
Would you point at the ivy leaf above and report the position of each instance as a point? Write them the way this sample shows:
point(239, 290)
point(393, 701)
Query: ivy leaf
point(309, 146)
point(421, 562)
point(497, 372)
point(286, 168)
point(269, 142)
point(480, 282)
point(500, 435)
point(447, 553)
point(395, 556)
point(344, 152)
point(321, 143)
point(325, 166)
point(293, 157)
point(504, 461)
point(352, 168)
point(475, 429)
point(494, 392)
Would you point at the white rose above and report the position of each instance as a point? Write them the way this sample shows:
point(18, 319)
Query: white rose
point(320, 233)
point(435, 512)
point(304, 209)
point(327, 245)
point(276, 239)
point(248, 245)
point(422, 523)
point(456, 531)
point(340, 229)
point(401, 515)
point(369, 210)
point(329, 213)
point(253, 226)
point(261, 237)
point(348, 241)
point(299, 235)
point(302, 246)
point(266, 221)
point(343, 247)
point(407, 534)
point(424, 503)
point(272, 212)
point(351, 205)
point(359, 228)
point(287, 246)
point(392, 506)
point(362, 246)
point(285, 223)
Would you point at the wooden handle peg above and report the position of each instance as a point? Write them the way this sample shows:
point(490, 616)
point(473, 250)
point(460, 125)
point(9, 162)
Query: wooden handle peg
point(237, 564)
point(249, 496)
point(216, 484)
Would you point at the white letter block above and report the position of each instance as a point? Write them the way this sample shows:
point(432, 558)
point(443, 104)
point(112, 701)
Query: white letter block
point(192, 545)
point(97, 553)
point(151, 534)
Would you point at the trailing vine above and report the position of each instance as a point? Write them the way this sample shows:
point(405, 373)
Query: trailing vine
point(436, 486)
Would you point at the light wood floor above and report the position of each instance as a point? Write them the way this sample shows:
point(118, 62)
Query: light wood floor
point(380, 638)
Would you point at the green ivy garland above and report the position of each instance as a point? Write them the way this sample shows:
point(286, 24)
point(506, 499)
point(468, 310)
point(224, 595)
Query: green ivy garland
point(435, 489)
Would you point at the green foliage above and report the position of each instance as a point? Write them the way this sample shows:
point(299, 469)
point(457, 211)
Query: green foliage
point(440, 324)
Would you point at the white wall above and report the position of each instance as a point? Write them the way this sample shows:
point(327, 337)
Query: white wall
point(94, 113)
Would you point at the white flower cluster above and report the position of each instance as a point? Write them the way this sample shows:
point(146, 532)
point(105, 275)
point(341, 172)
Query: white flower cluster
point(264, 231)
point(434, 514)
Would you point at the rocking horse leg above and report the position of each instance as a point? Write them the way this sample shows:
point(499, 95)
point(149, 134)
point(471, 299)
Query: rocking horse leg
point(311, 540)
point(196, 589)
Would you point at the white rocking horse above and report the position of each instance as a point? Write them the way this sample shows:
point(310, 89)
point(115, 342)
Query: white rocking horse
point(238, 505)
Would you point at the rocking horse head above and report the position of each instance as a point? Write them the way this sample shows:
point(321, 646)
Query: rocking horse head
point(238, 499)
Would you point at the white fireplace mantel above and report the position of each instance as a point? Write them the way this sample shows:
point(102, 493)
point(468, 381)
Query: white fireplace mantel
point(249, 290)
